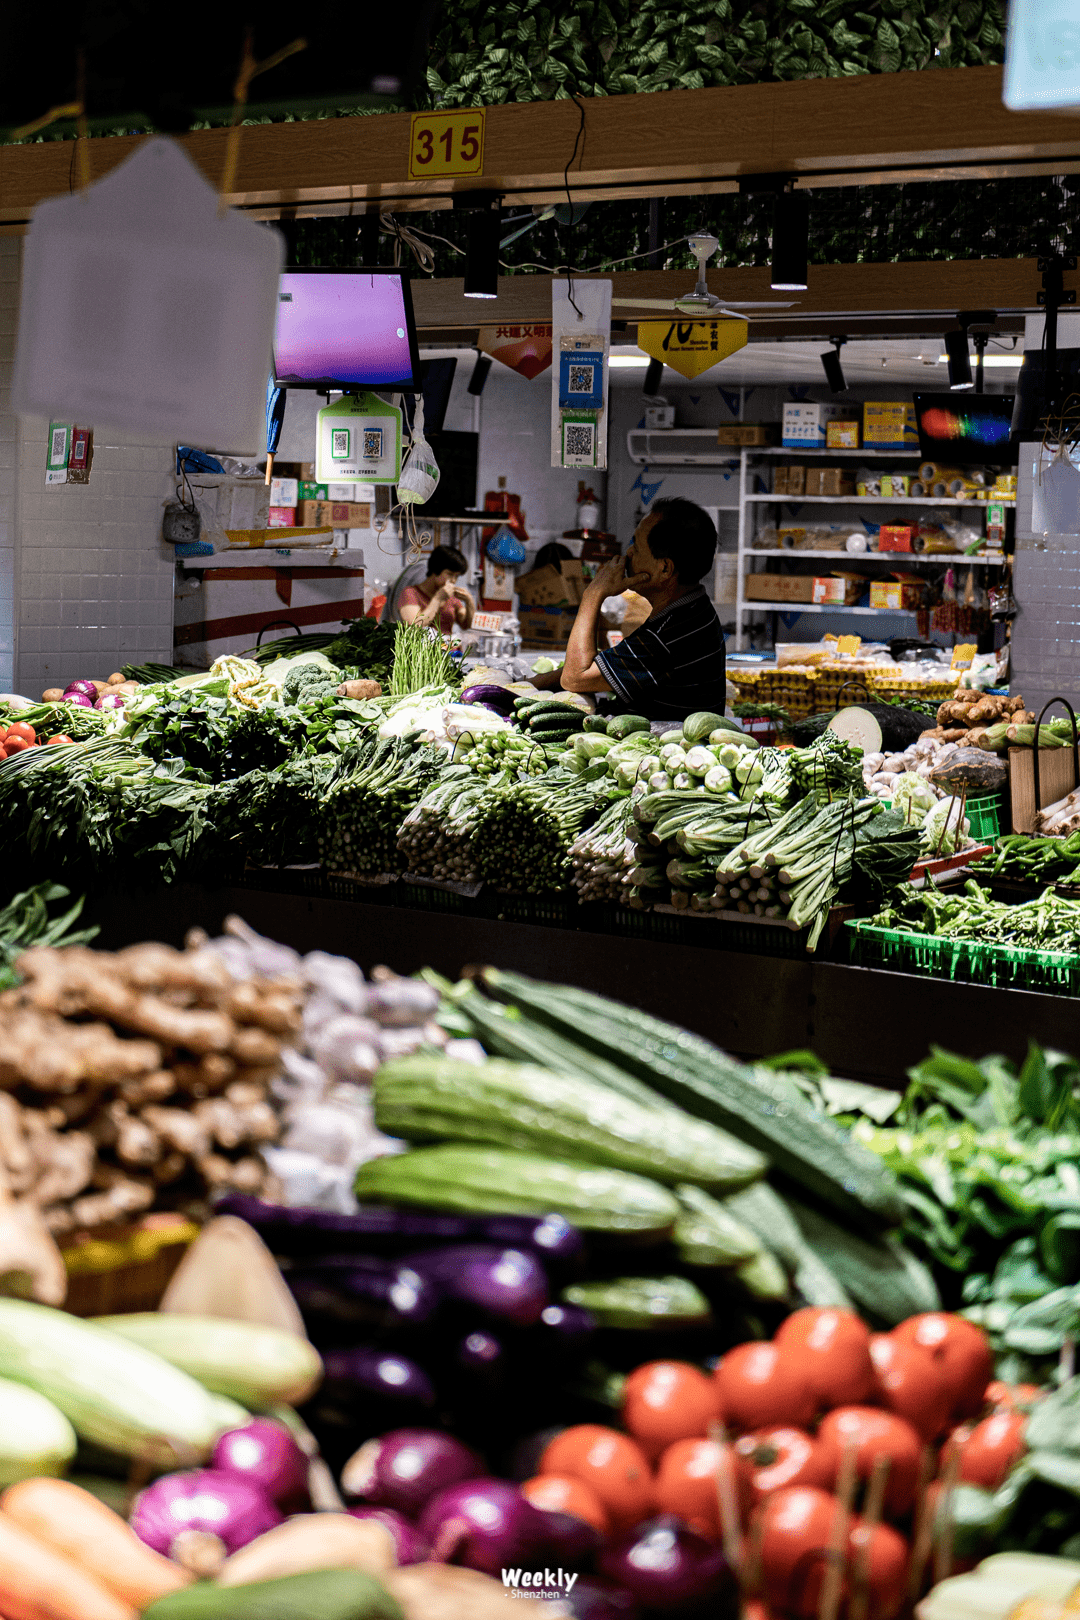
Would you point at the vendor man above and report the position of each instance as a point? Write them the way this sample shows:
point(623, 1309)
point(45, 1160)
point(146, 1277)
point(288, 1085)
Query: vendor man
point(673, 664)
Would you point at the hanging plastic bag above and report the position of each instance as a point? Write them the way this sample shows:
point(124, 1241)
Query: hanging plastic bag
point(504, 547)
point(420, 474)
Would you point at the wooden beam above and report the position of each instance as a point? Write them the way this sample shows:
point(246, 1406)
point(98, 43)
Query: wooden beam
point(878, 297)
point(871, 127)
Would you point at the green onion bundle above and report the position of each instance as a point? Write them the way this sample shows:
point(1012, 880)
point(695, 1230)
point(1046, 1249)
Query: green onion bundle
point(367, 803)
point(605, 855)
point(524, 834)
point(438, 837)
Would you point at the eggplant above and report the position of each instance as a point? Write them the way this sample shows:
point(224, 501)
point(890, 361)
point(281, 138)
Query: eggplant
point(498, 698)
point(363, 1371)
point(364, 1288)
point(482, 1355)
point(507, 1283)
point(378, 1229)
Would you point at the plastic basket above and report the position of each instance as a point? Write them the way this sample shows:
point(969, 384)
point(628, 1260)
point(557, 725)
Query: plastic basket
point(341, 886)
point(715, 933)
point(434, 897)
point(554, 910)
point(984, 814)
point(284, 879)
point(965, 960)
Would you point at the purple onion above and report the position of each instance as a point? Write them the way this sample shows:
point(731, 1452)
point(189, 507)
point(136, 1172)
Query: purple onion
point(485, 1524)
point(265, 1454)
point(407, 1467)
point(200, 1516)
point(379, 1372)
point(596, 1600)
point(665, 1565)
point(86, 688)
point(411, 1548)
point(111, 700)
point(79, 698)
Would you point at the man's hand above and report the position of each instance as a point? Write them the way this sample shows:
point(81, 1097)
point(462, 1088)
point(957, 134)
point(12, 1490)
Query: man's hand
point(612, 579)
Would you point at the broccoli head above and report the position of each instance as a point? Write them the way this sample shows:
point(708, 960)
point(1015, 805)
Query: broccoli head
point(309, 683)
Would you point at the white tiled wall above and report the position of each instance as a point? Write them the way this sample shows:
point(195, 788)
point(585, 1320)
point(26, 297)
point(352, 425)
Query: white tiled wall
point(9, 452)
point(86, 582)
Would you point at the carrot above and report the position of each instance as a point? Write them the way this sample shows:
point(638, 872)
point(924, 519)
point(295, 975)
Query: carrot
point(38, 1583)
point(72, 1522)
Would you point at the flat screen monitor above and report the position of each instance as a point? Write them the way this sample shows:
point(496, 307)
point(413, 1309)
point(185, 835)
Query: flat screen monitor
point(457, 455)
point(345, 329)
point(436, 381)
point(962, 429)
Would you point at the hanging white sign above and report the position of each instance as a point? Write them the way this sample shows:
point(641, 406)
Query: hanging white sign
point(145, 311)
point(1042, 55)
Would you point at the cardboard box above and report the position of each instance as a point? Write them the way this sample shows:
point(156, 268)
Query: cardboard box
point(779, 588)
point(842, 435)
point(350, 514)
point(748, 433)
point(789, 480)
point(551, 586)
point(547, 626)
point(897, 595)
point(896, 485)
point(314, 514)
point(804, 425)
point(284, 491)
point(837, 591)
point(895, 537)
point(828, 481)
point(889, 425)
point(281, 517)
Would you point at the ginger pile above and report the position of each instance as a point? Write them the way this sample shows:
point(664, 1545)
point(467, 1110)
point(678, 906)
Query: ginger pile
point(137, 1079)
point(965, 718)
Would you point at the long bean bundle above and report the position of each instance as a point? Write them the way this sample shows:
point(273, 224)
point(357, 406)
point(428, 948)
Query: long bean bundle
point(1048, 923)
point(420, 659)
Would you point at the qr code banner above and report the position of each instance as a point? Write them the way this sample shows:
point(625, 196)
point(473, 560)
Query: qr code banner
point(579, 443)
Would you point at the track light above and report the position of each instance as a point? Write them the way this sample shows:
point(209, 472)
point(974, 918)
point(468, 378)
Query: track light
point(834, 371)
point(980, 340)
point(654, 376)
point(791, 235)
point(479, 374)
point(482, 254)
point(956, 347)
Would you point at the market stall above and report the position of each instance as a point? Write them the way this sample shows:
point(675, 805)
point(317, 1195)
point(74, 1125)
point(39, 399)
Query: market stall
point(535, 1292)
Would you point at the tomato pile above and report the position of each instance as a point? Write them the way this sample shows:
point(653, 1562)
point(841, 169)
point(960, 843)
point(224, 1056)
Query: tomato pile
point(828, 1446)
point(21, 735)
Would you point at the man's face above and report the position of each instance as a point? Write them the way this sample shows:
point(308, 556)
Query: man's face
point(640, 560)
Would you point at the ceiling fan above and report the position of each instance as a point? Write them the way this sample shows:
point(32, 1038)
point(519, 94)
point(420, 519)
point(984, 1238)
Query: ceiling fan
point(700, 304)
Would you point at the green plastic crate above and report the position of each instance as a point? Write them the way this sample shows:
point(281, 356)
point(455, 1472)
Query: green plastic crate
point(968, 961)
point(984, 812)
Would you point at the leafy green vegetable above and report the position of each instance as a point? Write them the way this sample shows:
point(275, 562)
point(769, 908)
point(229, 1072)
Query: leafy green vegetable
point(25, 921)
point(309, 683)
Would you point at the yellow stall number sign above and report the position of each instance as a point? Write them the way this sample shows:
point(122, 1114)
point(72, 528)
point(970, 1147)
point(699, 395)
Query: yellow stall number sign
point(446, 143)
point(691, 347)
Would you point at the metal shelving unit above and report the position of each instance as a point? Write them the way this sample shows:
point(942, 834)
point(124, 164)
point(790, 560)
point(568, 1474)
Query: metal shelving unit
point(750, 501)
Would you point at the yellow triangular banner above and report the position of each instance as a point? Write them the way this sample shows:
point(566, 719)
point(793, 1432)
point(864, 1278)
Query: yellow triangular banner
point(691, 347)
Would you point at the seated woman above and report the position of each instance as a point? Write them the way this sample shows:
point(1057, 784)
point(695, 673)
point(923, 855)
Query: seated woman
point(439, 599)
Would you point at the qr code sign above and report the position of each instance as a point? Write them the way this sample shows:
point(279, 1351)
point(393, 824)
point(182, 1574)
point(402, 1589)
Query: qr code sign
point(59, 444)
point(581, 379)
point(373, 444)
point(579, 444)
point(339, 444)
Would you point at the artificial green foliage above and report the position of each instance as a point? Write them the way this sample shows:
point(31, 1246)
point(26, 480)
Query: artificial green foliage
point(951, 219)
point(531, 51)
